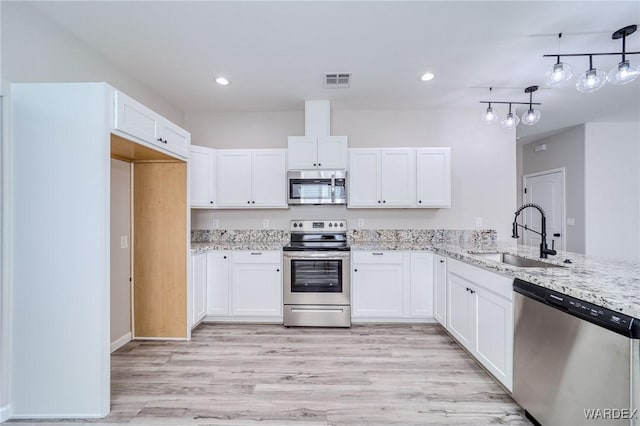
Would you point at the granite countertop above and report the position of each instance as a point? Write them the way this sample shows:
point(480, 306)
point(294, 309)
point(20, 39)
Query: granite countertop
point(610, 283)
point(197, 248)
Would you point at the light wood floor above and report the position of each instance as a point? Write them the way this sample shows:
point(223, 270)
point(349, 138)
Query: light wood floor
point(232, 374)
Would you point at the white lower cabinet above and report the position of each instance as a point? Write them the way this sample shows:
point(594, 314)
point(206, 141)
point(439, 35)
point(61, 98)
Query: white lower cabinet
point(480, 316)
point(256, 283)
point(440, 289)
point(198, 287)
point(218, 283)
point(391, 286)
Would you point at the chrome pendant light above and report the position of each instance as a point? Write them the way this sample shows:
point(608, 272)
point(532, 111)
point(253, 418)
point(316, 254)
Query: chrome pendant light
point(531, 116)
point(490, 116)
point(624, 72)
point(559, 72)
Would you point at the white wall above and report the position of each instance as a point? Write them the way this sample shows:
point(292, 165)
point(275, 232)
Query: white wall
point(564, 149)
point(36, 49)
point(483, 164)
point(612, 190)
point(120, 256)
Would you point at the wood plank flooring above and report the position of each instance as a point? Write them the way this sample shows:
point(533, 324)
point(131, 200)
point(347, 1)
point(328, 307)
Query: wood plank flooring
point(232, 374)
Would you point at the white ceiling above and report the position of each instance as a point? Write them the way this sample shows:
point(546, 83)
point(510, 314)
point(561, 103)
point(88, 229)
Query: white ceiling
point(275, 53)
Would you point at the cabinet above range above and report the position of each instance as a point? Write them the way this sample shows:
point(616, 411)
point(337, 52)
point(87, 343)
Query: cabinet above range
point(317, 153)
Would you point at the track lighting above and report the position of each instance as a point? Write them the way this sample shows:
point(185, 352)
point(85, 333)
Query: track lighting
point(531, 116)
point(593, 79)
point(511, 120)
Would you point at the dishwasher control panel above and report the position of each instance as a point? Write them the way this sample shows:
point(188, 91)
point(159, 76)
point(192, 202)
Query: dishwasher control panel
point(612, 320)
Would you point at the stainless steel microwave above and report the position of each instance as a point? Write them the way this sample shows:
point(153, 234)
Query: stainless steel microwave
point(317, 186)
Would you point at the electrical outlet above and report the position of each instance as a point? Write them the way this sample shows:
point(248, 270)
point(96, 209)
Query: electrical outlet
point(478, 222)
point(124, 241)
point(215, 223)
point(571, 221)
point(265, 223)
point(360, 223)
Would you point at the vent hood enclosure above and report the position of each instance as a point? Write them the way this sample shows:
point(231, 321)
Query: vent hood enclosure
point(317, 150)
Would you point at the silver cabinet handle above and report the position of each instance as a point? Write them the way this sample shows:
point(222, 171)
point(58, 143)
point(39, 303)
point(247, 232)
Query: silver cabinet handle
point(256, 254)
point(378, 254)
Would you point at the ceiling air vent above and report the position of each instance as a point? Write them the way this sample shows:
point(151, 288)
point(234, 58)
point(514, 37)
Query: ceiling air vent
point(337, 80)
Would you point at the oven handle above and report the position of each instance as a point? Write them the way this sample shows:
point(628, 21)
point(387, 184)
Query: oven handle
point(316, 255)
point(316, 310)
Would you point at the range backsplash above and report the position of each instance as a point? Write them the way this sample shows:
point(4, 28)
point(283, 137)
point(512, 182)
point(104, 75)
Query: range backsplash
point(358, 235)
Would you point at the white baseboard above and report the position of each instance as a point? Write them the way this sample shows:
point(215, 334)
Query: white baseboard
point(4, 413)
point(120, 342)
point(249, 320)
point(58, 416)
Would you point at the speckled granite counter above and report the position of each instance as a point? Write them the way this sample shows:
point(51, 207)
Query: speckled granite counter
point(610, 283)
point(247, 245)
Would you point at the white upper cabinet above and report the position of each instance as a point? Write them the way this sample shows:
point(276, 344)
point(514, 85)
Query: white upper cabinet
point(252, 178)
point(399, 177)
point(381, 177)
point(364, 178)
point(202, 174)
point(321, 152)
point(137, 120)
point(268, 178)
point(433, 183)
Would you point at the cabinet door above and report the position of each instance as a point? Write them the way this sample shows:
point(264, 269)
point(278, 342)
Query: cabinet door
point(218, 283)
point(176, 139)
point(398, 177)
point(420, 294)
point(302, 152)
point(136, 119)
point(234, 178)
point(269, 178)
point(493, 345)
point(201, 176)
point(377, 290)
point(440, 289)
point(364, 178)
point(460, 310)
point(433, 177)
point(257, 289)
point(199, 287)
point(332, 152)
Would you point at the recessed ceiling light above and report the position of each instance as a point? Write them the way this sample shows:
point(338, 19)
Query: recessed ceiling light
point(222, 81)
point(427, 76)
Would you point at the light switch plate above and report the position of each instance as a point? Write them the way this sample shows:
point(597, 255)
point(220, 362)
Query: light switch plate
point(571, 221)
point(124, 242)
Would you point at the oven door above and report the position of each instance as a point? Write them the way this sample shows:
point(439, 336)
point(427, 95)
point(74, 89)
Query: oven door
point(317, 278)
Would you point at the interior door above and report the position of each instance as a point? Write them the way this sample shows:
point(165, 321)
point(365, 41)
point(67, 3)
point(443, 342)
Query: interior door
point(547, 190)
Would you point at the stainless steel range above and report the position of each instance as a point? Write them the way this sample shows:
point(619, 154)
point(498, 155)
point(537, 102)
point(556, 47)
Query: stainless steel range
point(317, 287)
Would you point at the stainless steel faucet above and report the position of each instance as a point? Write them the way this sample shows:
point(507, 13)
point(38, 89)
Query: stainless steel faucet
point(544, 250)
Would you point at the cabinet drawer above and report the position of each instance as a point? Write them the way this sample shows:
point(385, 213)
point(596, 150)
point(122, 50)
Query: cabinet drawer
point(377, 256)
point(491, 281)
point(256, 256)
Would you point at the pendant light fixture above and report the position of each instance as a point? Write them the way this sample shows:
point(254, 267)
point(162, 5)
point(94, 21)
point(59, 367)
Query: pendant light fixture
point(511, 120)
point(624, 72)
point(490, 116)
point(559, 72)
point(593, 79)
point(531, 116)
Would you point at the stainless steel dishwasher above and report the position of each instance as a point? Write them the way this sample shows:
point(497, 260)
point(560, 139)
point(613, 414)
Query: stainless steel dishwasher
point(575, 363)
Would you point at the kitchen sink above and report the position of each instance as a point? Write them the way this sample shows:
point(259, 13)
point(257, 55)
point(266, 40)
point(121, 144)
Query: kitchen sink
point(519, 261)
